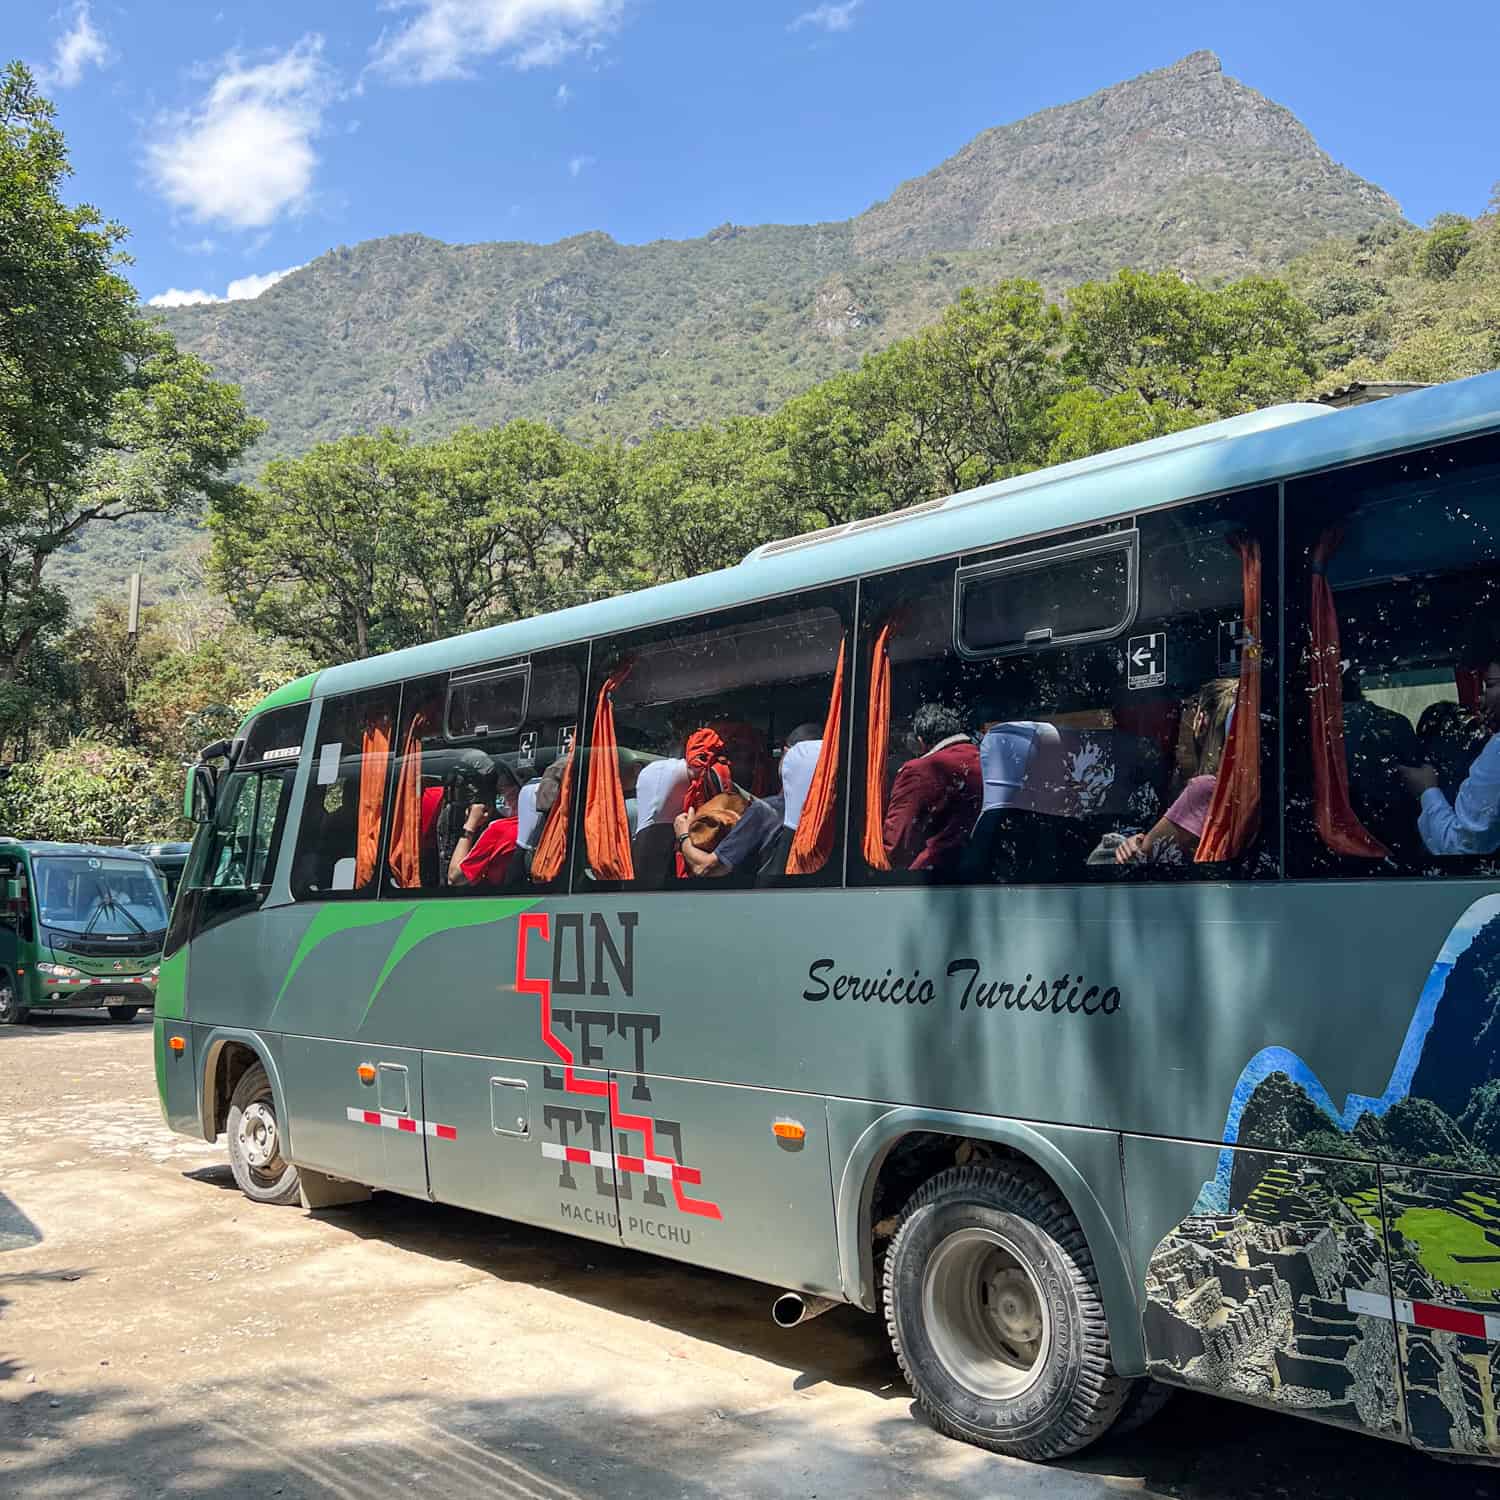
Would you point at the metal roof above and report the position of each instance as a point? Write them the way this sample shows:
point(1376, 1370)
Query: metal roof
point(1223, 456)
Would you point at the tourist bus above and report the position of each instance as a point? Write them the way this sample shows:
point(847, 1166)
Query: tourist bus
point(81, 926)
point(1115, 1006)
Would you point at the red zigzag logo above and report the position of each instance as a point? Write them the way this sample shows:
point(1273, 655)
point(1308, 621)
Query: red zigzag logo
point(539, 923)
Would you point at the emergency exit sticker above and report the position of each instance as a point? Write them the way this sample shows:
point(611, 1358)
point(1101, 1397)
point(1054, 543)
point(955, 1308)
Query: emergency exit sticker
point(1231, 640)
point(526, 754)
point(1146, 660)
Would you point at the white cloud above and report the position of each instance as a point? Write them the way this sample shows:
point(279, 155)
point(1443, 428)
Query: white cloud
point(563, 96)
point(244, 156)
point(446, 37)
point(242, 289)
point(176, 297)
point(828, 17)
point(201, 247)
point(78, 49)
point(579, 164)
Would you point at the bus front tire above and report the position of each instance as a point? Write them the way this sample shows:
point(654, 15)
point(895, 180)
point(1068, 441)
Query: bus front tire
point(993, 1308)
point(123, 1012)
point(254, 1133)
point(11, 1011)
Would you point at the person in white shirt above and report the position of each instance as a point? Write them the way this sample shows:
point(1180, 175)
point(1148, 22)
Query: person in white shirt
point(1470, 824)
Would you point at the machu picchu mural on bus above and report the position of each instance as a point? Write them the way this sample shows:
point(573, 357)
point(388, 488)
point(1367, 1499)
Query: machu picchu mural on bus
point(1335, 1242)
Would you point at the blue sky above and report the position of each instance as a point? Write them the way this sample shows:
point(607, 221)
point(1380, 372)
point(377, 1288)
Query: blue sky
point(237, 140)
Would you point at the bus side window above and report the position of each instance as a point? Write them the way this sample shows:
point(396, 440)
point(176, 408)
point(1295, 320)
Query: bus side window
point(339, 836)
point(738, 723)
point(1393, 577)
point(1060, 713)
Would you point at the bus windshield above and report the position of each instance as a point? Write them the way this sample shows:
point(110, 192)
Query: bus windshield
point(94, 895)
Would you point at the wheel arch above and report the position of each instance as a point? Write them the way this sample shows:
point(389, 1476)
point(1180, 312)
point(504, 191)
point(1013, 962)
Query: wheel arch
point(875, 1147)
point(227, 1053)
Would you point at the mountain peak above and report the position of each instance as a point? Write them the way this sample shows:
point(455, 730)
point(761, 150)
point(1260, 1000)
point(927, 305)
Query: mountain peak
point(1149, 150)
point(1197, 63)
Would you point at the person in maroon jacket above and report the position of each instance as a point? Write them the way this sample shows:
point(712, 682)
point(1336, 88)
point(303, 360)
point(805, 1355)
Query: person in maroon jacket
point(937, 796)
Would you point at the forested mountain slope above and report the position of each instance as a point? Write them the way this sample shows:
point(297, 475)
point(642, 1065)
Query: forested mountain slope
point(1184, 166)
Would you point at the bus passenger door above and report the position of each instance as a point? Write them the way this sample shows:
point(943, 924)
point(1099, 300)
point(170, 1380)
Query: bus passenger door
point(356, 1112)
point(732, 1178)
point(522, 1140)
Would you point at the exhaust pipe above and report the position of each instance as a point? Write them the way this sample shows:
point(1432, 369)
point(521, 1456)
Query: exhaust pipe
point(792, 1308)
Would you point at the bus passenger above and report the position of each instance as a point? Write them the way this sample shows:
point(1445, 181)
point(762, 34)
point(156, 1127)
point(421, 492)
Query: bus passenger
point(1176, 833)
point(797, 768)
point(937, 794)
point(1470, 823)
point(744, 847)
point(486, 849)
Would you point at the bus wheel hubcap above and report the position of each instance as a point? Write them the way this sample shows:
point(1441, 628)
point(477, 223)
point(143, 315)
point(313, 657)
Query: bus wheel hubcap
point(985, 1314)
point(258, 1134)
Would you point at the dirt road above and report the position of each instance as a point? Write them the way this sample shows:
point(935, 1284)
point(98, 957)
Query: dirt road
point(160, 1335)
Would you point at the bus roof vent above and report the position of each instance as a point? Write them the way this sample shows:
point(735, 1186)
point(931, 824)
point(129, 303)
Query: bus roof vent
point(796, 543)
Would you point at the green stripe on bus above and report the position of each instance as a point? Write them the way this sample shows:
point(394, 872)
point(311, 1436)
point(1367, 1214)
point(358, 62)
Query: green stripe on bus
point(334, 919)
point(431, 918)
point(171, 987)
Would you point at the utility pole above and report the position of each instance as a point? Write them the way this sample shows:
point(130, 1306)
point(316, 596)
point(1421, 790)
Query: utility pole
point(132, 634)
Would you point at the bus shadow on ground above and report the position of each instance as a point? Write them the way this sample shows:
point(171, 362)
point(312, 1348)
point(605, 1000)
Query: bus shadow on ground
point(62, 1022)
point(844, 1346)
point(1199, 1448)
point(299, 1436)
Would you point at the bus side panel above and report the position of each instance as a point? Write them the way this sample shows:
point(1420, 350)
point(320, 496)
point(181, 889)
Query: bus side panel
point(705, 1178)
point(501, 1133)
point(368, 1132)
point(177, 1076)
point(1443, 1231)
point(1266, 1279)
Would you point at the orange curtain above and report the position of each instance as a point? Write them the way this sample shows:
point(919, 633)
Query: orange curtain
point(552, 847)
point(606, 830)
point(405, 857)
point(813, 841)
point(1234, 814)
point(877, 748)
point(1338, 825)
point(375, 757)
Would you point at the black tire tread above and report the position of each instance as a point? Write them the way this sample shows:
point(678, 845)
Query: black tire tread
point(1019, 1188)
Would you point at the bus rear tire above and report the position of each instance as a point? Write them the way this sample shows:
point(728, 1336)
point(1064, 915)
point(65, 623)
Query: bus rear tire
point(262, 1173)
point(11, 1011)
point(993, 1308)
point(123, 1012)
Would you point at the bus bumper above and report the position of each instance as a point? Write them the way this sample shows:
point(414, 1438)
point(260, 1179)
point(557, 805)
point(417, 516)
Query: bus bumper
point(93, 995)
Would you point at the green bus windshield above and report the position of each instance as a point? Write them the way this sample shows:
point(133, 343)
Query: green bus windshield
point(92, 895)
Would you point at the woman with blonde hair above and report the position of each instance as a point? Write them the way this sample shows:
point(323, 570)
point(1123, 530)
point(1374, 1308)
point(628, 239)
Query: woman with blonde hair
point(1200, 752)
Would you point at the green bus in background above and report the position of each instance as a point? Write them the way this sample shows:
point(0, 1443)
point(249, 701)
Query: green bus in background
point(81, 926)
point(1063, 918)
point(170, 859)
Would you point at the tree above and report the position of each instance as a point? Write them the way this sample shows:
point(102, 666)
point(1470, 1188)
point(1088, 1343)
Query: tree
point(962, 403)
point(68, 330)
point(1444, 247)
point(101, 417)
point(314, 553)
point(371, 543)
point(1149, 354)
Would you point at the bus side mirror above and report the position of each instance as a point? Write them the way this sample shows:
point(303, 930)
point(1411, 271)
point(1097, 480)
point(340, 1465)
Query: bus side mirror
point(13, 891)
point(198, 795)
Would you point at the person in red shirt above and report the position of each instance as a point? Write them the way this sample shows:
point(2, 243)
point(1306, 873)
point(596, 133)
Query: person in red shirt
point(937, 796)
point(486, 847)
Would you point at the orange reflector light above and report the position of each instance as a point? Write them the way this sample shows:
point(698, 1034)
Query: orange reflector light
point(366, 1072)
point(176, 1043)
point(788, 1130)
